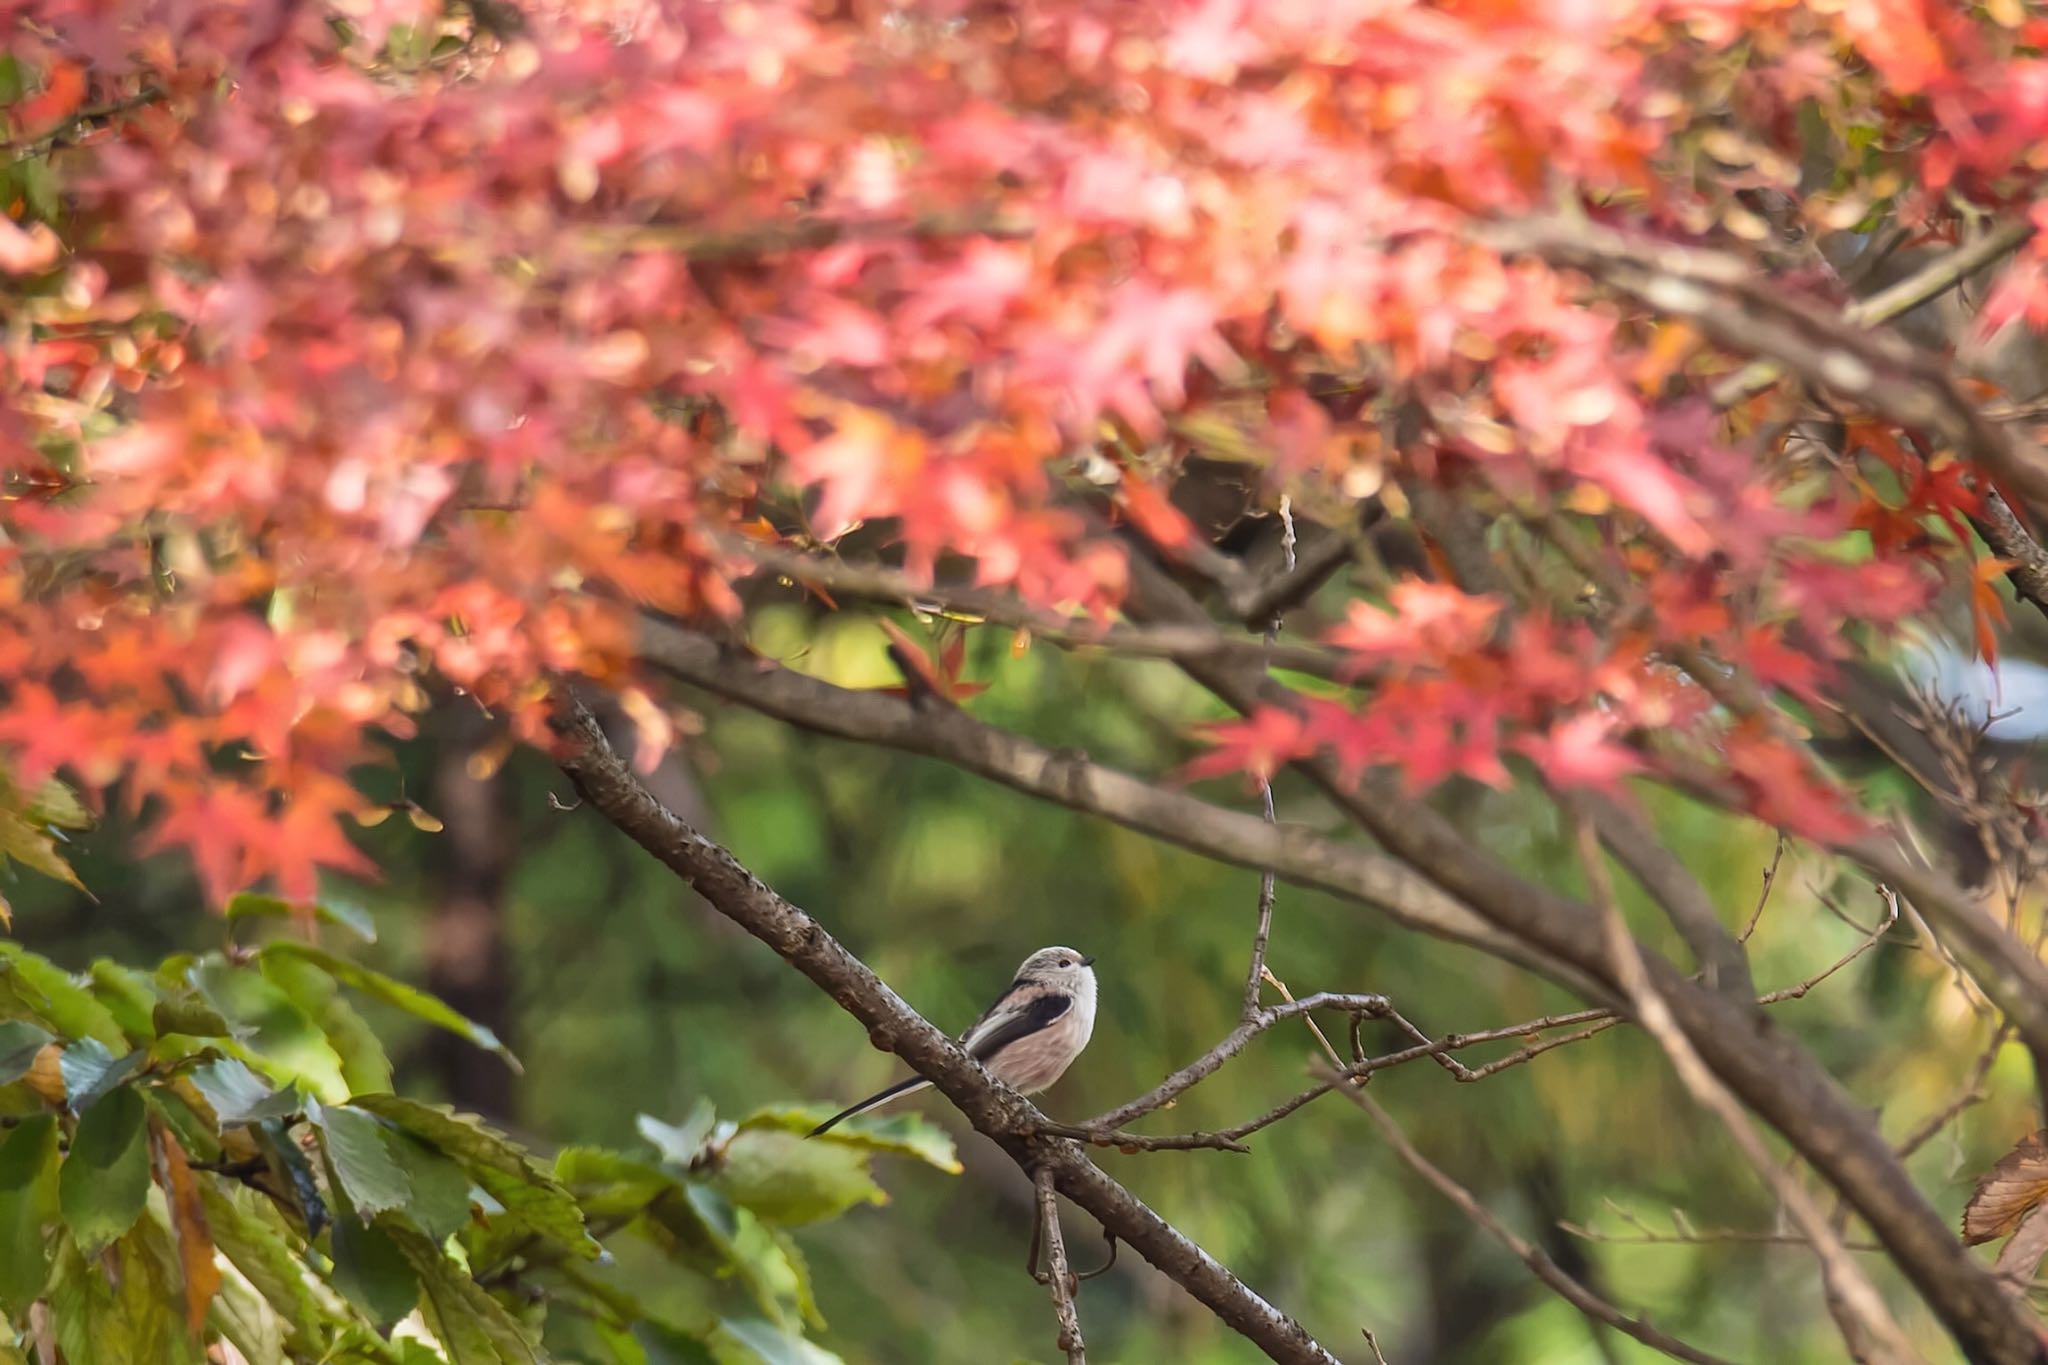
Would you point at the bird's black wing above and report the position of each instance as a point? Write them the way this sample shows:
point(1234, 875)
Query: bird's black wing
point(1041, 1013)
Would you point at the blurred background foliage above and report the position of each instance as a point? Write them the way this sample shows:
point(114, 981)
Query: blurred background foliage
point(623, 995)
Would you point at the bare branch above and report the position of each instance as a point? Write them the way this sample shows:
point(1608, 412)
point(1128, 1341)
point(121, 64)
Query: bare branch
point(1872, 1333)
point(1531, 1255)
point(1071, 780)
point(1056, 1274)
point(609, 786)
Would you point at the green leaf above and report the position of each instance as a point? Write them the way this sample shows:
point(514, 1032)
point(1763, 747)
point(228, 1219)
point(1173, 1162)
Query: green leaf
point(394, 993)
point(529, 1195)
point(32, 846)
point(241, 1315)
point(801, 1288)
point(905, 1134)
point(106, 1177)
point(289, 1162)
point(371, 1271)
point(610, 1186)
point(55, 803)
point(679, 1144)
point(238, 1095)
point(363, 1063)
point(354, 918)
point(83, 1314)
point(90, 1071)
point(28, 1200)
point(187, 1012)
point(361, 1158)
point(20, 1041)
point(267, 1019)
point(785, 1179)
point(51, 994)
point(128, 995)
point(39, 188)
point(472, 1327)
point(765, 1343)
point(249, 1235)
point(440, 1186)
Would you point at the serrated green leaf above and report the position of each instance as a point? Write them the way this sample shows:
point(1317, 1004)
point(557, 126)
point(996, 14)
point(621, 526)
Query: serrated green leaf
point(529, 1195)
point(128, 995)
point(105, 1178)
point(802, 1291)
point(905, 1134)
point(371, 1271)
point(33, 847)
point(148, 1296)
point(364, 1064)
point(90, 1071)
point(53, 996)
point(608, 1185)
point(361, 1158)
point(256, 1245)
point(440, 1186)
point(238, 1095)
point(289, 1163)
point(83, 1314)
point(472, 1327)
point(242, 1317)
point(785, 1179)
point(393, 992)
point(354, 918)
point(271, 1024)
point(187, 1012)
point(28, 1200)
point(20, 1041)
point(55, 803)
point(10, 79)
point(680, 1143)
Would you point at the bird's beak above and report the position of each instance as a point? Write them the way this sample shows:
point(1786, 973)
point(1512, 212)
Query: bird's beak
point(1087, 962)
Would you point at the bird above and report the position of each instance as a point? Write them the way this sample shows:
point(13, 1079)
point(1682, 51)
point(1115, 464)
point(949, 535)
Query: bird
point(1028, 1037)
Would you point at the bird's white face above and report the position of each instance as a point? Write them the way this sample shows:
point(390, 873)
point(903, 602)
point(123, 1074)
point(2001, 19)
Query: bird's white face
point(1062, 969)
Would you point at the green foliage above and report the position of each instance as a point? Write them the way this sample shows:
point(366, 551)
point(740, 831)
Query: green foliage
point(303, 1219)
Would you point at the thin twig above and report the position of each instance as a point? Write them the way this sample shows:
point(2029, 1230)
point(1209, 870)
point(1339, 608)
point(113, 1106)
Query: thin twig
point(1764, 896)
point(1057, 1275)
point(1873, 1334)
point(1267, 880)
point(1531, 1255)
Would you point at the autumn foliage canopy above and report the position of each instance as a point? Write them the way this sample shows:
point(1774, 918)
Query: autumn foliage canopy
point(357, 351)
point(361, 354)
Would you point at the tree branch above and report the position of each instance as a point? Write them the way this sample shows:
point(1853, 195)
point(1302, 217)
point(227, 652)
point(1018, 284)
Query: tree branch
point(1768, 1070)
point(1531, 1255)
point(1013, 1122)
point(1071, 780)
point(1873, 1335)
point(1057, 1276)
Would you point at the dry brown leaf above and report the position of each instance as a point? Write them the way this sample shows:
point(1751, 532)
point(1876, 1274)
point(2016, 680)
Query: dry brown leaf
point(2008, 1190)
point(195, 1241)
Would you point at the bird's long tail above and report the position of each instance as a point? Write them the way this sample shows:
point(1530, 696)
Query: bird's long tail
point(874, 1101)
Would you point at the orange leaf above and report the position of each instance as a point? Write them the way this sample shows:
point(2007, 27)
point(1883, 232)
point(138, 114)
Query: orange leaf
point(188, 1219)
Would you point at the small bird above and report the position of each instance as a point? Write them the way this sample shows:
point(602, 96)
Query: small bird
point(1028, 1037)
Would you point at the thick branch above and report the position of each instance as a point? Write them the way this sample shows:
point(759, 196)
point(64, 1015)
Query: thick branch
point(610, 787)
point(1725, 299)
point(1071, 780)
point(1768, 1070)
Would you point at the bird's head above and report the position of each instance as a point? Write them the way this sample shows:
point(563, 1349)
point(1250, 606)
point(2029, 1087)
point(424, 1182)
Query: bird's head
point(1061, 967)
